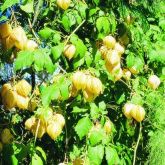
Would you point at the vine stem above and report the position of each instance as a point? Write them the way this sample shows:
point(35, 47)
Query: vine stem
point(74, 32)
point(137, 144)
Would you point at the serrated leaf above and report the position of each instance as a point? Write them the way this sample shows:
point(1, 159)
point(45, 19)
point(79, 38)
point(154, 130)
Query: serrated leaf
point(103, 25)
point(56, 38)
point(49, 93)
point(96, 136)
point(28, 7)
point(46, 33)
point(94, 111)
point(8, 3)
point(80, 47)
point(42, 60)
point(83, 126)
point(78, 110)
point(66, 23)
point(95, 154)
point(57, 51)
point(24, 59)
point(111, 156)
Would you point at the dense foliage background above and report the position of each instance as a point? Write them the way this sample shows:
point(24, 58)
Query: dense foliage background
point(139, 25)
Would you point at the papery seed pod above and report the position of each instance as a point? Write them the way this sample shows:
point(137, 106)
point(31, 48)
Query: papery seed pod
point(79, 80)
point(5, 30)
point(108, 66)
point(69, 51)
point(108, 127)
point(138, 113)
point(116, 69)
point(126, 74)
point(73, 91)
point(134, 70)
point(19, 37)
point(113, 57)
point(41, 129)
point(54, 130)
point(120, 49)
point(94, 85)
point(58, 118)
point(79, 161)
point(23, 88)
point(30, 45)
point(9, 43)
point(22, 102)
point(32, 104)
point(64, 4)
point(5, 88)
point(6, 136)
point(89, 97)
point(128, 107)
point(9, 100)
point(109, 41)
point(29, 123)
point(103, 50)
point(154, 81)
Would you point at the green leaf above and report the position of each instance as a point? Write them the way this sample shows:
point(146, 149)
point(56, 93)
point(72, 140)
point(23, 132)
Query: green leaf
point(36, 160)
point(66, 23)
point(96, 136)
point(77, 63)
point(56, 38)
point(46, 33)
point(78, 110)
point(24, 59)
point(130, 60)
point(83, 126)
point(43, 60)
point(103, 25)
point(7, 4)
point(28, 7)
point(64, 89)
point(57, 51)
point(49, 93)
point(95, 154)
point(94, 111)
point(96, 2)
point(41, 153)
point(111, 156)
point(80, 47)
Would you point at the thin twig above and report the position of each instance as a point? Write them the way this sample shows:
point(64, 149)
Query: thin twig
point(137, 144)
point(30, 25)
point(74, 32)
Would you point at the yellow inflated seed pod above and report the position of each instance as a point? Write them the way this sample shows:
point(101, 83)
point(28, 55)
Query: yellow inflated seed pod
point(126, 74)
point(41, 128)
point(32, 105)
point(30, 45)
point(29, 123)
point(128, 107)
point(9, 100)
point(54, 130)
point(94, 86)
point(108, 127)
point(22, 102)
point(109, 42)
point(120, 49)
point(23, 88)
point(9, 43)
point(103, 50)
point(64, 4)
point(134, 70)
point(69, 51)
point(154, 81)
point(19, 37)
point(89, 97)
point(73, 91)
point(59, 119)
point(113, 57)
point(138, 113)
point(79, 80)
point(78, 161)
point(108, 66)
point(5, 88)
point(6, 136)
point(5, 30)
